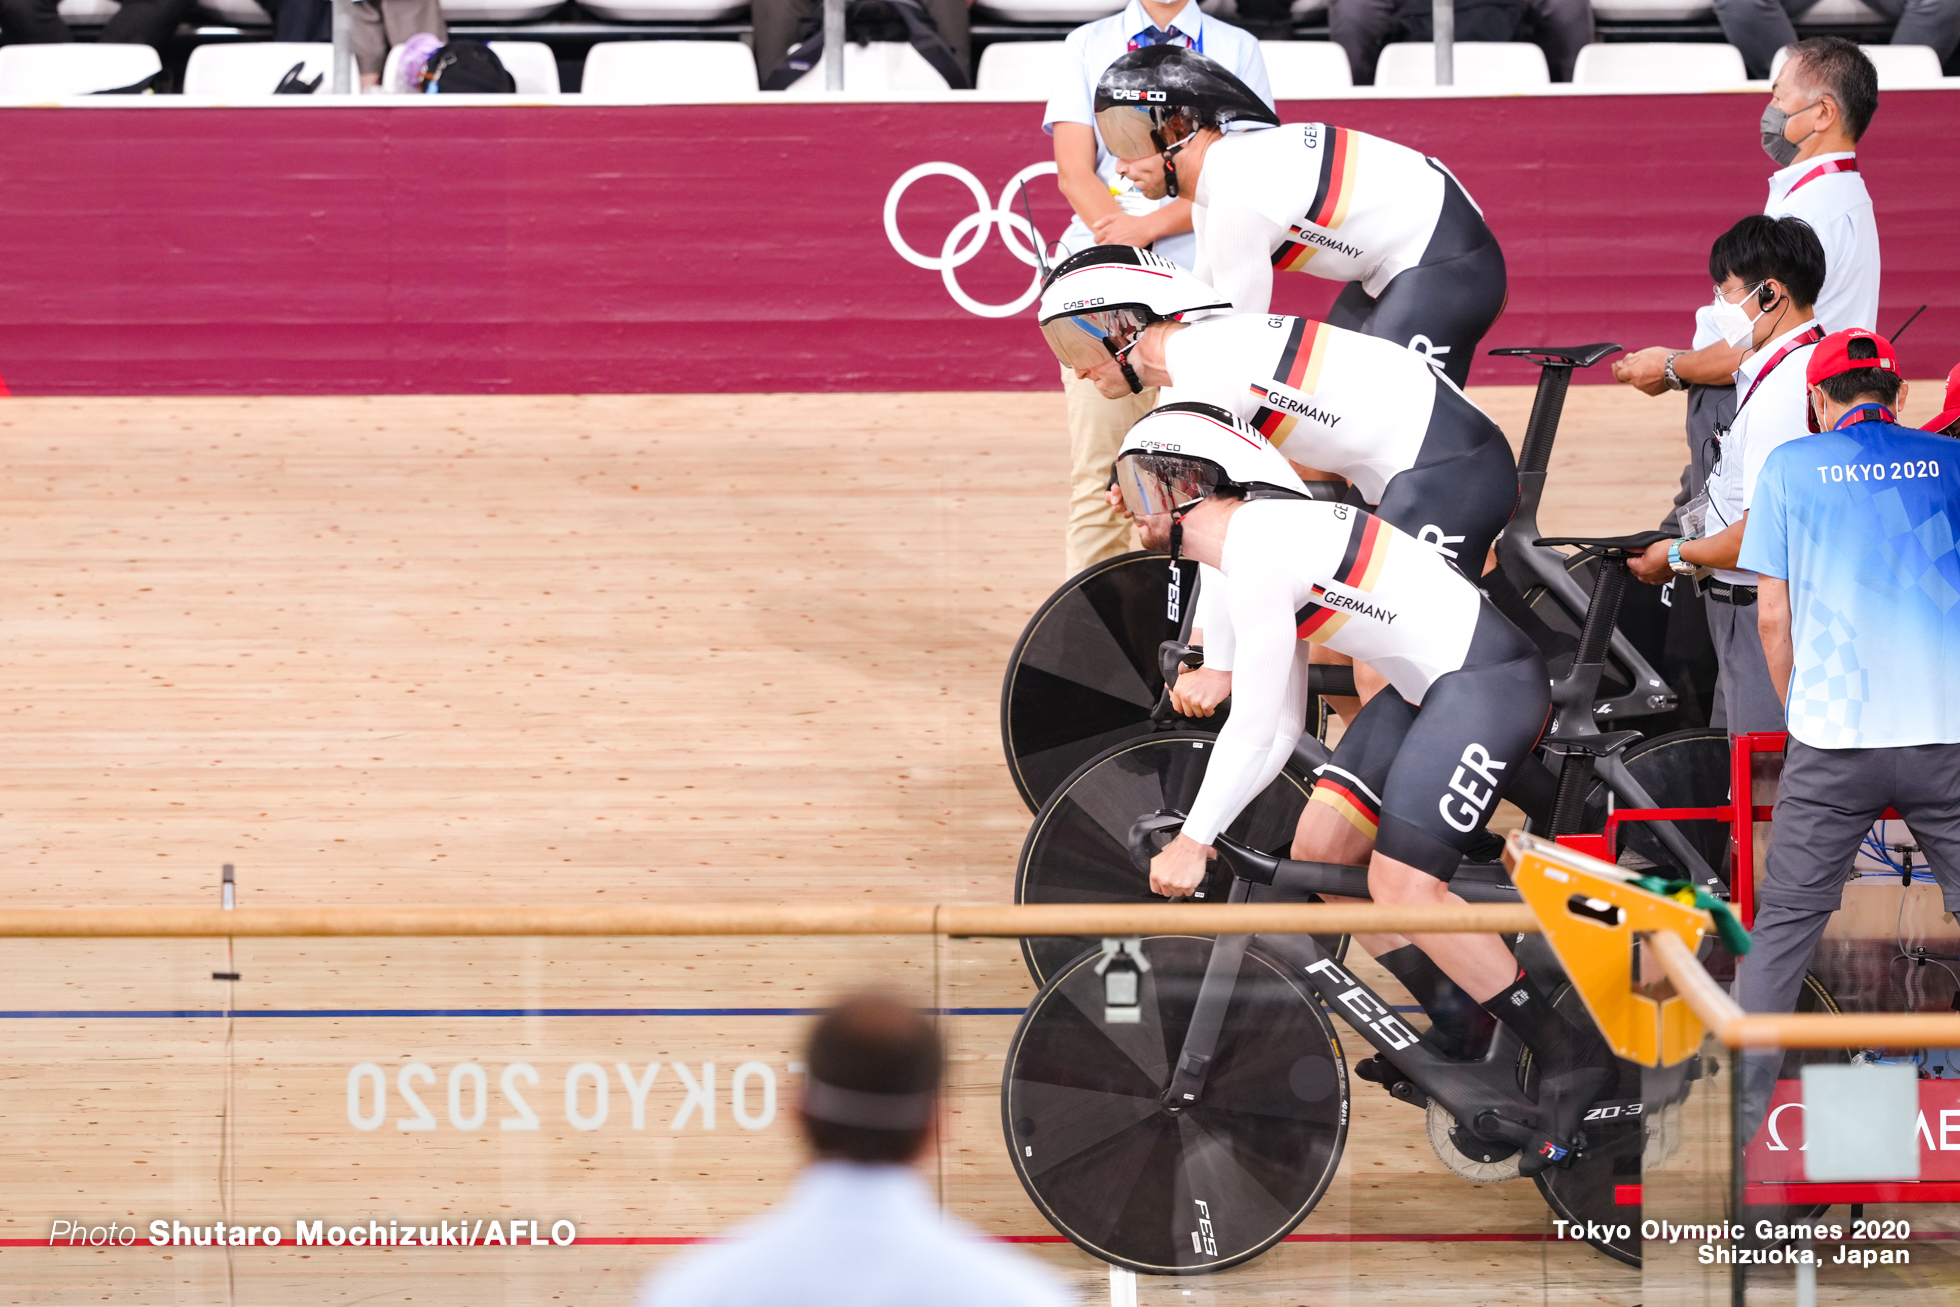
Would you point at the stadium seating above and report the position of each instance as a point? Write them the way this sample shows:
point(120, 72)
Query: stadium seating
point(254, 68)
point(1654, 11)
point(666, 11)
point(880, 68)
point(1481, 65)
point(1899, 67)
point(87, 13)
point(1300, 70)
point(1044, 11)
point(1838, 13)
point(1659, 65)
point(53, 72)
point(1028, 68)
point(496, 11)
point(235, 13)
point(669, 72)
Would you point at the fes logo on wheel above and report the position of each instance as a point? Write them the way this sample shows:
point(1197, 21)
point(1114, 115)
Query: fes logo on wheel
point(963, 243)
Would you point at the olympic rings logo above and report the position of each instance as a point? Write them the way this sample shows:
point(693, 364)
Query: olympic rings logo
point(962, 244)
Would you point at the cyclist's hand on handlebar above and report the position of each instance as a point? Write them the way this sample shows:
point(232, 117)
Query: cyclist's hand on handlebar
point(1652, 566)
point(1180, 868)
point(1645, 371)
point(1198, 692)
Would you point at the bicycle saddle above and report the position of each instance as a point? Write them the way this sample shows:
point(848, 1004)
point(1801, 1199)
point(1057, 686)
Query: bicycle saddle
point(1577, 356)
point(1608, 546)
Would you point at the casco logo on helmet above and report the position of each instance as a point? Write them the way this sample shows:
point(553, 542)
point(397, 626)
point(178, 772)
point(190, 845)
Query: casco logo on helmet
point(1149, 97)
point(1073, 305)
point(1158, 444)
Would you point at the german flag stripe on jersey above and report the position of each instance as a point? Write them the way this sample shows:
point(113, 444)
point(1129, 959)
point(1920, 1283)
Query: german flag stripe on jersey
point(1330, 201)
point(1299, 368)
point(1360, 567)
point(1351, 804)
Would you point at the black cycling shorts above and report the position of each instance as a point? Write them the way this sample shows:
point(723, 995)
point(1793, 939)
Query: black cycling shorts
point(1443, 305)
point(1462, 489)
point(1423, 781)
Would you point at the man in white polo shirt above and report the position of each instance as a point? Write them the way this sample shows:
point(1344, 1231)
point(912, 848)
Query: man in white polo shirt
point(1109, 210)
point(1767, 271)
point(1822, 100)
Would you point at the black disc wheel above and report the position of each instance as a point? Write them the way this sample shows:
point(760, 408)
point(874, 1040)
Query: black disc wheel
point(1616, 1139)
point(1622, 1131)
point(1682, 769)
point(1084, 674)
point(1180, 1193)
point(1076, 851)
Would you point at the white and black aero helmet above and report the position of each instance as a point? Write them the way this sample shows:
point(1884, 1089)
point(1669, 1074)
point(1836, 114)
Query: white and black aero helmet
point(1180, 454)
point(1096, 303)
point(1152, 100)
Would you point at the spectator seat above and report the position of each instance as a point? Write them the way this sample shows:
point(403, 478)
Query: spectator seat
point(253, 68)
point(1029, 68)
point(669, 72)
point(87, 13)
point(235, 13)
point(496, 11)
point(1479, 65)
point(666, 11)
point(1301, 70)
point(54, 72)
point(1045, 11)
point(880, 68)
point(1842, 13)
point(1679, 65)
point(1899, 67)
point(1654, 11)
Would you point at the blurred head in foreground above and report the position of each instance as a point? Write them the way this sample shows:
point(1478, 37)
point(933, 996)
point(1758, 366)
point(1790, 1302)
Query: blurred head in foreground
point(871, 1084)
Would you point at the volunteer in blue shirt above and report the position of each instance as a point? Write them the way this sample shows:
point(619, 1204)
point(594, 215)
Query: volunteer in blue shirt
point(1853, 534)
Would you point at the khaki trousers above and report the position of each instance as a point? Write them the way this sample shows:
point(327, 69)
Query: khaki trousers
point(1096, 427)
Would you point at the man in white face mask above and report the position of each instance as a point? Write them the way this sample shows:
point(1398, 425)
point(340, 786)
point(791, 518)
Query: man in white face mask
point(1767, 271)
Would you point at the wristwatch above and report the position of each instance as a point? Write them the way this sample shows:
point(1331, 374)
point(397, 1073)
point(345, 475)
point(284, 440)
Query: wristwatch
point(1681, 566)
point(1667, 372)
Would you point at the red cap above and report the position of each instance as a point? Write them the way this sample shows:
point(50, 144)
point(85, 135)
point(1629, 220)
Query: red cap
point(1950, 412)
point(1832, 356)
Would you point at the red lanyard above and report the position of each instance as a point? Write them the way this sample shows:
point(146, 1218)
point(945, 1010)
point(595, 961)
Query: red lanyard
point(1822, 169)
point(1811, 337)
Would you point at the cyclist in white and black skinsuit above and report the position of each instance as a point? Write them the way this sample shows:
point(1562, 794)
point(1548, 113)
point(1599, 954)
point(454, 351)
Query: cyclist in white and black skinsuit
point(1418, 453)
point(1422, 266)
point(1424, 765)
point(1415, 450)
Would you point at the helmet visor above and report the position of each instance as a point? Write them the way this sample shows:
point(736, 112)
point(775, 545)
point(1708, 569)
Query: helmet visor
point(1089, 340)
point(1155, 483)
point(1127, 131)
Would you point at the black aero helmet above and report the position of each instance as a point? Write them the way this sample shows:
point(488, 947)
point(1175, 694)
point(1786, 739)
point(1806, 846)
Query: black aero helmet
point(1151, 100)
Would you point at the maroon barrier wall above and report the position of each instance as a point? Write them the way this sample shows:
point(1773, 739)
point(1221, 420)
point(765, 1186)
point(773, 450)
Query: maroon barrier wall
point(552, 249)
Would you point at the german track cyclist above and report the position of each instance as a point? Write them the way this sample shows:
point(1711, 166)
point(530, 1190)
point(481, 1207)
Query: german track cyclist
point(1419, 771)
point(1423, 268)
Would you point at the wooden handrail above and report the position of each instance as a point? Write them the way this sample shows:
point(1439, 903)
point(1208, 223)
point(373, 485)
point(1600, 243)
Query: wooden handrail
point(1739, 1029)
point(1010, 920)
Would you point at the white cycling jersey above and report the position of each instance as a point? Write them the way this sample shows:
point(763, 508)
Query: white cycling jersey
point(1301, 572)
point(1326, 397)
point(1313, 198)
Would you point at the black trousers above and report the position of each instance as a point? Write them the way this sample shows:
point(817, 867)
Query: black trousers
point(776, 23)
point(138, 22)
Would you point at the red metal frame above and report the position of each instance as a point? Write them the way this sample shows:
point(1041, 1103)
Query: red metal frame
point(1742, 896)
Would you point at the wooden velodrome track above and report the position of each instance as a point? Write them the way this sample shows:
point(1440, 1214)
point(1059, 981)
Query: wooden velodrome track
point(567, 651)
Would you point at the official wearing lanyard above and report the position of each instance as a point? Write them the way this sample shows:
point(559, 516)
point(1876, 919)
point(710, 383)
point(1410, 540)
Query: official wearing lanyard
point(1774, 272)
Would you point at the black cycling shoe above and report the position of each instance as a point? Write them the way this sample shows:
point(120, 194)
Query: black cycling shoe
point(1575, 1066)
